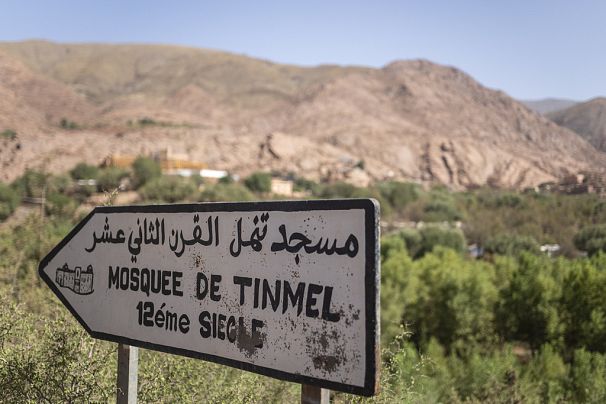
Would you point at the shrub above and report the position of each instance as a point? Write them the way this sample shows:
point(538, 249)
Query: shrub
point(422, 241)
point(9, 200)
point(145, 169)
point(167, 189)
point(147, 122)
point(60, 205)
point(303, 184)
point(591, 239)
point(8, 134)
point(509, 200)
point(58, 183)
point(83, 171)
point(31, 183)
point(110, 178)
point(441, 211)
point(511, 244)
point(258, 182)
point(226, 193)
point(433, 236)
point(339, 190)
point(394, 273)
point(228, 179)
point(413, 241)
point(450, 299)
point(583, 303)
point(67, 124)
point(586, 379)
point(399, 194)
point(527, 308)
point(51, 360)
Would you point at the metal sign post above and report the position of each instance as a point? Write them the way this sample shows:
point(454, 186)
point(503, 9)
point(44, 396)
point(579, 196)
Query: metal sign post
point(314, 395)
point(286, 289)
point(126, 380)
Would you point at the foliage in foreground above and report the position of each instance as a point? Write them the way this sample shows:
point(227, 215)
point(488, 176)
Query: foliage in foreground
point(514, 326)
point(516, 329)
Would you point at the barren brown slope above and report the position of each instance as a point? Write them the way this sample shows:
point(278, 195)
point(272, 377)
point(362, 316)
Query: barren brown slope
point(588, 119)
point(149, 76)
point(429, 122)
point(31, 101)
point(410, 120)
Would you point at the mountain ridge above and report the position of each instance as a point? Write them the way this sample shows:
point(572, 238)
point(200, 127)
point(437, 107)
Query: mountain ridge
point(588, 119)
point(412, 120)
point(548, 105)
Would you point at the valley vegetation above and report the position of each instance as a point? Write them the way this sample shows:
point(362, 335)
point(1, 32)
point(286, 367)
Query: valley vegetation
point(511, 325)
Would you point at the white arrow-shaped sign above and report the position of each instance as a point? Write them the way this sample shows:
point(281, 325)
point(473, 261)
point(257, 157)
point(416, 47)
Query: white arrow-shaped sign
point(285, 289)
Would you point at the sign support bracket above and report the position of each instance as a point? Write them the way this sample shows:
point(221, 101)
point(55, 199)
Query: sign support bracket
point(126, 381)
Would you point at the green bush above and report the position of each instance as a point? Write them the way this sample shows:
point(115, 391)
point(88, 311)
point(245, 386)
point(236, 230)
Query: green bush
point(339, 190)
point(8, 134)
point(303, 184)
point(258, 182)
point(422, 241)
point(31, 184)
point(67, 124)
point(399, 194)
point(452, 300)
point(83, 171)
point(144, 170)
point(58, 183)
point(441, 211)
point(511, 244)
point(110, 178)
point(586, 377)
point(51, 360)
point(591, 239)
point(58, 204)
point(395, 269)
point(228, 179)
point(147, 122)
point(528, 304)
point(583, 303)
point(226, 193)
point(9, 200)
point(167, 189)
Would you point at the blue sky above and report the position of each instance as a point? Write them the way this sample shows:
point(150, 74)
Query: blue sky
point(530, 49)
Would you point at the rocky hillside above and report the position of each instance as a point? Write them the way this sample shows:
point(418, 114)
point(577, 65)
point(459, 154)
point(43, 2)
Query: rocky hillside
point(411, 120)
point(588, 119)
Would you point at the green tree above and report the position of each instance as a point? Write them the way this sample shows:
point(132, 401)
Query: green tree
point(31, 184)
point(591, 239)
point(511, 244)
point(110, 178)
point(222, 192)
point(258, 182)
point(399, 194)
point(8, 134)
point(422, 241)
point(145, 169)
point(9, 200)
point(441, 211)
point(394, 273)
point(168, 189)
point(528, 304)
point(58, 204)
point(452, 300)
point(83, 171)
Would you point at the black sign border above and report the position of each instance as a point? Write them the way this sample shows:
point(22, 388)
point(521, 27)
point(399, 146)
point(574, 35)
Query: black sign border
point(372, 283)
